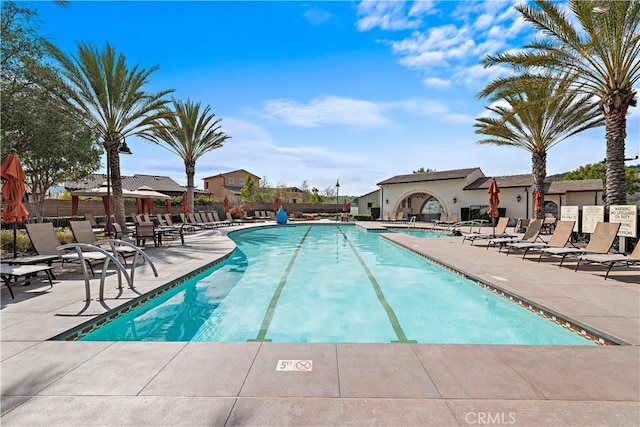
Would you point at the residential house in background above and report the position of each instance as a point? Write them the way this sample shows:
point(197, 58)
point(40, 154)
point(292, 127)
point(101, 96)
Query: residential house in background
point(228, 184)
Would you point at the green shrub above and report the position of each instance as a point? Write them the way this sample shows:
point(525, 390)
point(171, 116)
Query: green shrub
point(362, 217)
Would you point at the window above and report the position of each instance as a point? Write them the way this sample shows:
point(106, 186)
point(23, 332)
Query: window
point(230, 181)
point(241, 181)
point(370, 204)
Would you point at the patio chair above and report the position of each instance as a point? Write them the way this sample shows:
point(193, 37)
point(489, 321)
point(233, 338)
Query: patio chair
point(92, 220)
point(611, 260)
point(16, 274)
point(82, 233)
point(216, 217)
point(600, 243)
point(145, 231)
point(45, 242)
point(531, 235)
point(500, 231)
point(559, 239)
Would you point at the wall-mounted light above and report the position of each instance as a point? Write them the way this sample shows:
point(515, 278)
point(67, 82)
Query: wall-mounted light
point(518, 198)
point(455, 200)
point(386, 201)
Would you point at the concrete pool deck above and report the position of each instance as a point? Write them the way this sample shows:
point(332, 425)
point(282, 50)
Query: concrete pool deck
point(138, 383)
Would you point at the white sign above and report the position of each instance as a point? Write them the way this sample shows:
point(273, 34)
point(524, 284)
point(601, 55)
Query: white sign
point(569, 213)
point(295, 365)
point(627, 216)
point(591, 215)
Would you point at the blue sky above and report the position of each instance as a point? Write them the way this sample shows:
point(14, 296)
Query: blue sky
point(319, 91)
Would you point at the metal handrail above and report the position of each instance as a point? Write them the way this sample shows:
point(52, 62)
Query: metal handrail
point(113, 243)
point(121, 269)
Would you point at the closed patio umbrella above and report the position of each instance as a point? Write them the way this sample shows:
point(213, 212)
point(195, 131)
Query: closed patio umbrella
point(225, 204)
point(13, 190)
point(494, 201)
point(253, 204)
point(168, 206)
point(538, 201)
point(74, 207)
point(344, 206)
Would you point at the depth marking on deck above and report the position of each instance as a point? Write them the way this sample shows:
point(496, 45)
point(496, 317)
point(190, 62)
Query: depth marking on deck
point(295, 365)
point(268, 316)
point(402, 337)
point(502, 279)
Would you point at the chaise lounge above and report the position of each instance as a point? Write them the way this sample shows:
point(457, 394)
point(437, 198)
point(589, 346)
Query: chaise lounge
point(611, 260)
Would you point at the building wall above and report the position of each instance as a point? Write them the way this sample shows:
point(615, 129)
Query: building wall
point(215, 184)
point(364, 201)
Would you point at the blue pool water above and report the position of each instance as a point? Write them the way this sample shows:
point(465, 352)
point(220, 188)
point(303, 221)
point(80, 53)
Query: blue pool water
point(330, 284)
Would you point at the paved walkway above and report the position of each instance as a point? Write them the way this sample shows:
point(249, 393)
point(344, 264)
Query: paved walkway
point(136, 383)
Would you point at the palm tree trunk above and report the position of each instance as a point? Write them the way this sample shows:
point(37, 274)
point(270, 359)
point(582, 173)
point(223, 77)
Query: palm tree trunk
point(615, 108)
point(116, 184)
point(539, 165)
point(190, 169)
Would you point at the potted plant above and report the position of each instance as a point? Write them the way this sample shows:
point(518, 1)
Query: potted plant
point(237, 212)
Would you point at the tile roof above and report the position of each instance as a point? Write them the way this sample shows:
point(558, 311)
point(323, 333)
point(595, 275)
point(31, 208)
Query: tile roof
point(561, 187)
point(163, 184)
point(429, 176)
point(508, 181)
point(230, 172)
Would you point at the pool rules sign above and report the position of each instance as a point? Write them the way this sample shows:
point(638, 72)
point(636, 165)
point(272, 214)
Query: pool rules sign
point(627, 216)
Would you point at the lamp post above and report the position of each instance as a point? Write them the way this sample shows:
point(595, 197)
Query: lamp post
point(337, 197)
point(122, 149)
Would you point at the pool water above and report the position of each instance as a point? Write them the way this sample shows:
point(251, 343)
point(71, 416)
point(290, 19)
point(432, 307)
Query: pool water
point(330, 284)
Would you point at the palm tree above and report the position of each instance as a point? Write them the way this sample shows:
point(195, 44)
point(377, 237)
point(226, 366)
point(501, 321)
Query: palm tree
point(110, 97)
point(600, 45)
point(539, 113)
point(189, 133)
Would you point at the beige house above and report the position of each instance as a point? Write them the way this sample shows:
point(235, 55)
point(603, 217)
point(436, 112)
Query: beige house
point(464, 192)
point(229, 184)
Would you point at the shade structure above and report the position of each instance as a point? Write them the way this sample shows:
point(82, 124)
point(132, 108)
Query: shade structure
point(494, 201)
point(139, 205)
point(185, 203)
point(344, 206)
point(13, 190)
point(149, 193)
point(538, 201)
point(168, 206)
point(102, 192)
point(149, 206)
point(225, 204)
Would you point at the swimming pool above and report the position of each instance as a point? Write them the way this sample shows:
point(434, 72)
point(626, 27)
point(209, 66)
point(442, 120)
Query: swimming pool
point(308, 283)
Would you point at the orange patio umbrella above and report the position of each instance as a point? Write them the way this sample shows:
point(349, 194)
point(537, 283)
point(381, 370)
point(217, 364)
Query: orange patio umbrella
point(13, 190)
point(494, 201)
point(538, 201)
point(168, 206)
point(344, 206)
point(226, 204)
point(253, 204)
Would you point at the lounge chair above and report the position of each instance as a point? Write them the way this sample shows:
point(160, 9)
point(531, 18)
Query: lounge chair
point(600, 243)
point(231, 220)
point(531, 235)
point(145, 231)
point(611, 260)
point(94, 224)
point(82, 233)
point(216, 217)
point(500, 231)
point(45, 242)
point(16, 274)
point(559, 239)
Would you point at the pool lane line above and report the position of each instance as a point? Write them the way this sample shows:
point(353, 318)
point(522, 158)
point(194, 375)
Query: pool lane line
point(268, 316)
point(393, 319)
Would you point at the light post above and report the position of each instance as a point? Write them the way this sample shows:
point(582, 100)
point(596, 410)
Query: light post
point(337, 197)
point(122, 149)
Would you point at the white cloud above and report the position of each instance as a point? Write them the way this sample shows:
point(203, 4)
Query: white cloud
point(388, 15)
point(316, 15)
point(327, 110)
point(437, 82)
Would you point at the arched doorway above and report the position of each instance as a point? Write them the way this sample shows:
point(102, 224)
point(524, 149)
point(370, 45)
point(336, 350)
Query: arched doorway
point(424, 206)
point(550, 208)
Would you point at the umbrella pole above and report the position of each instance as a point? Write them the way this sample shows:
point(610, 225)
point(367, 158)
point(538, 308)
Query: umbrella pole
point(493, 223)
point(15, 234)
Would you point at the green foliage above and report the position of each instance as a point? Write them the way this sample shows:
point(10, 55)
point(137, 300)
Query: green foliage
point(365, 217)
point(249, 191)
point(599, 171)
point(201, 201)
point(422, 169)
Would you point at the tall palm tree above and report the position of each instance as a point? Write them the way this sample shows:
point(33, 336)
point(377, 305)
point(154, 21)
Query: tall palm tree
point(600, 45)
point(189, 132)
point(537, 114)
point(110, 97)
